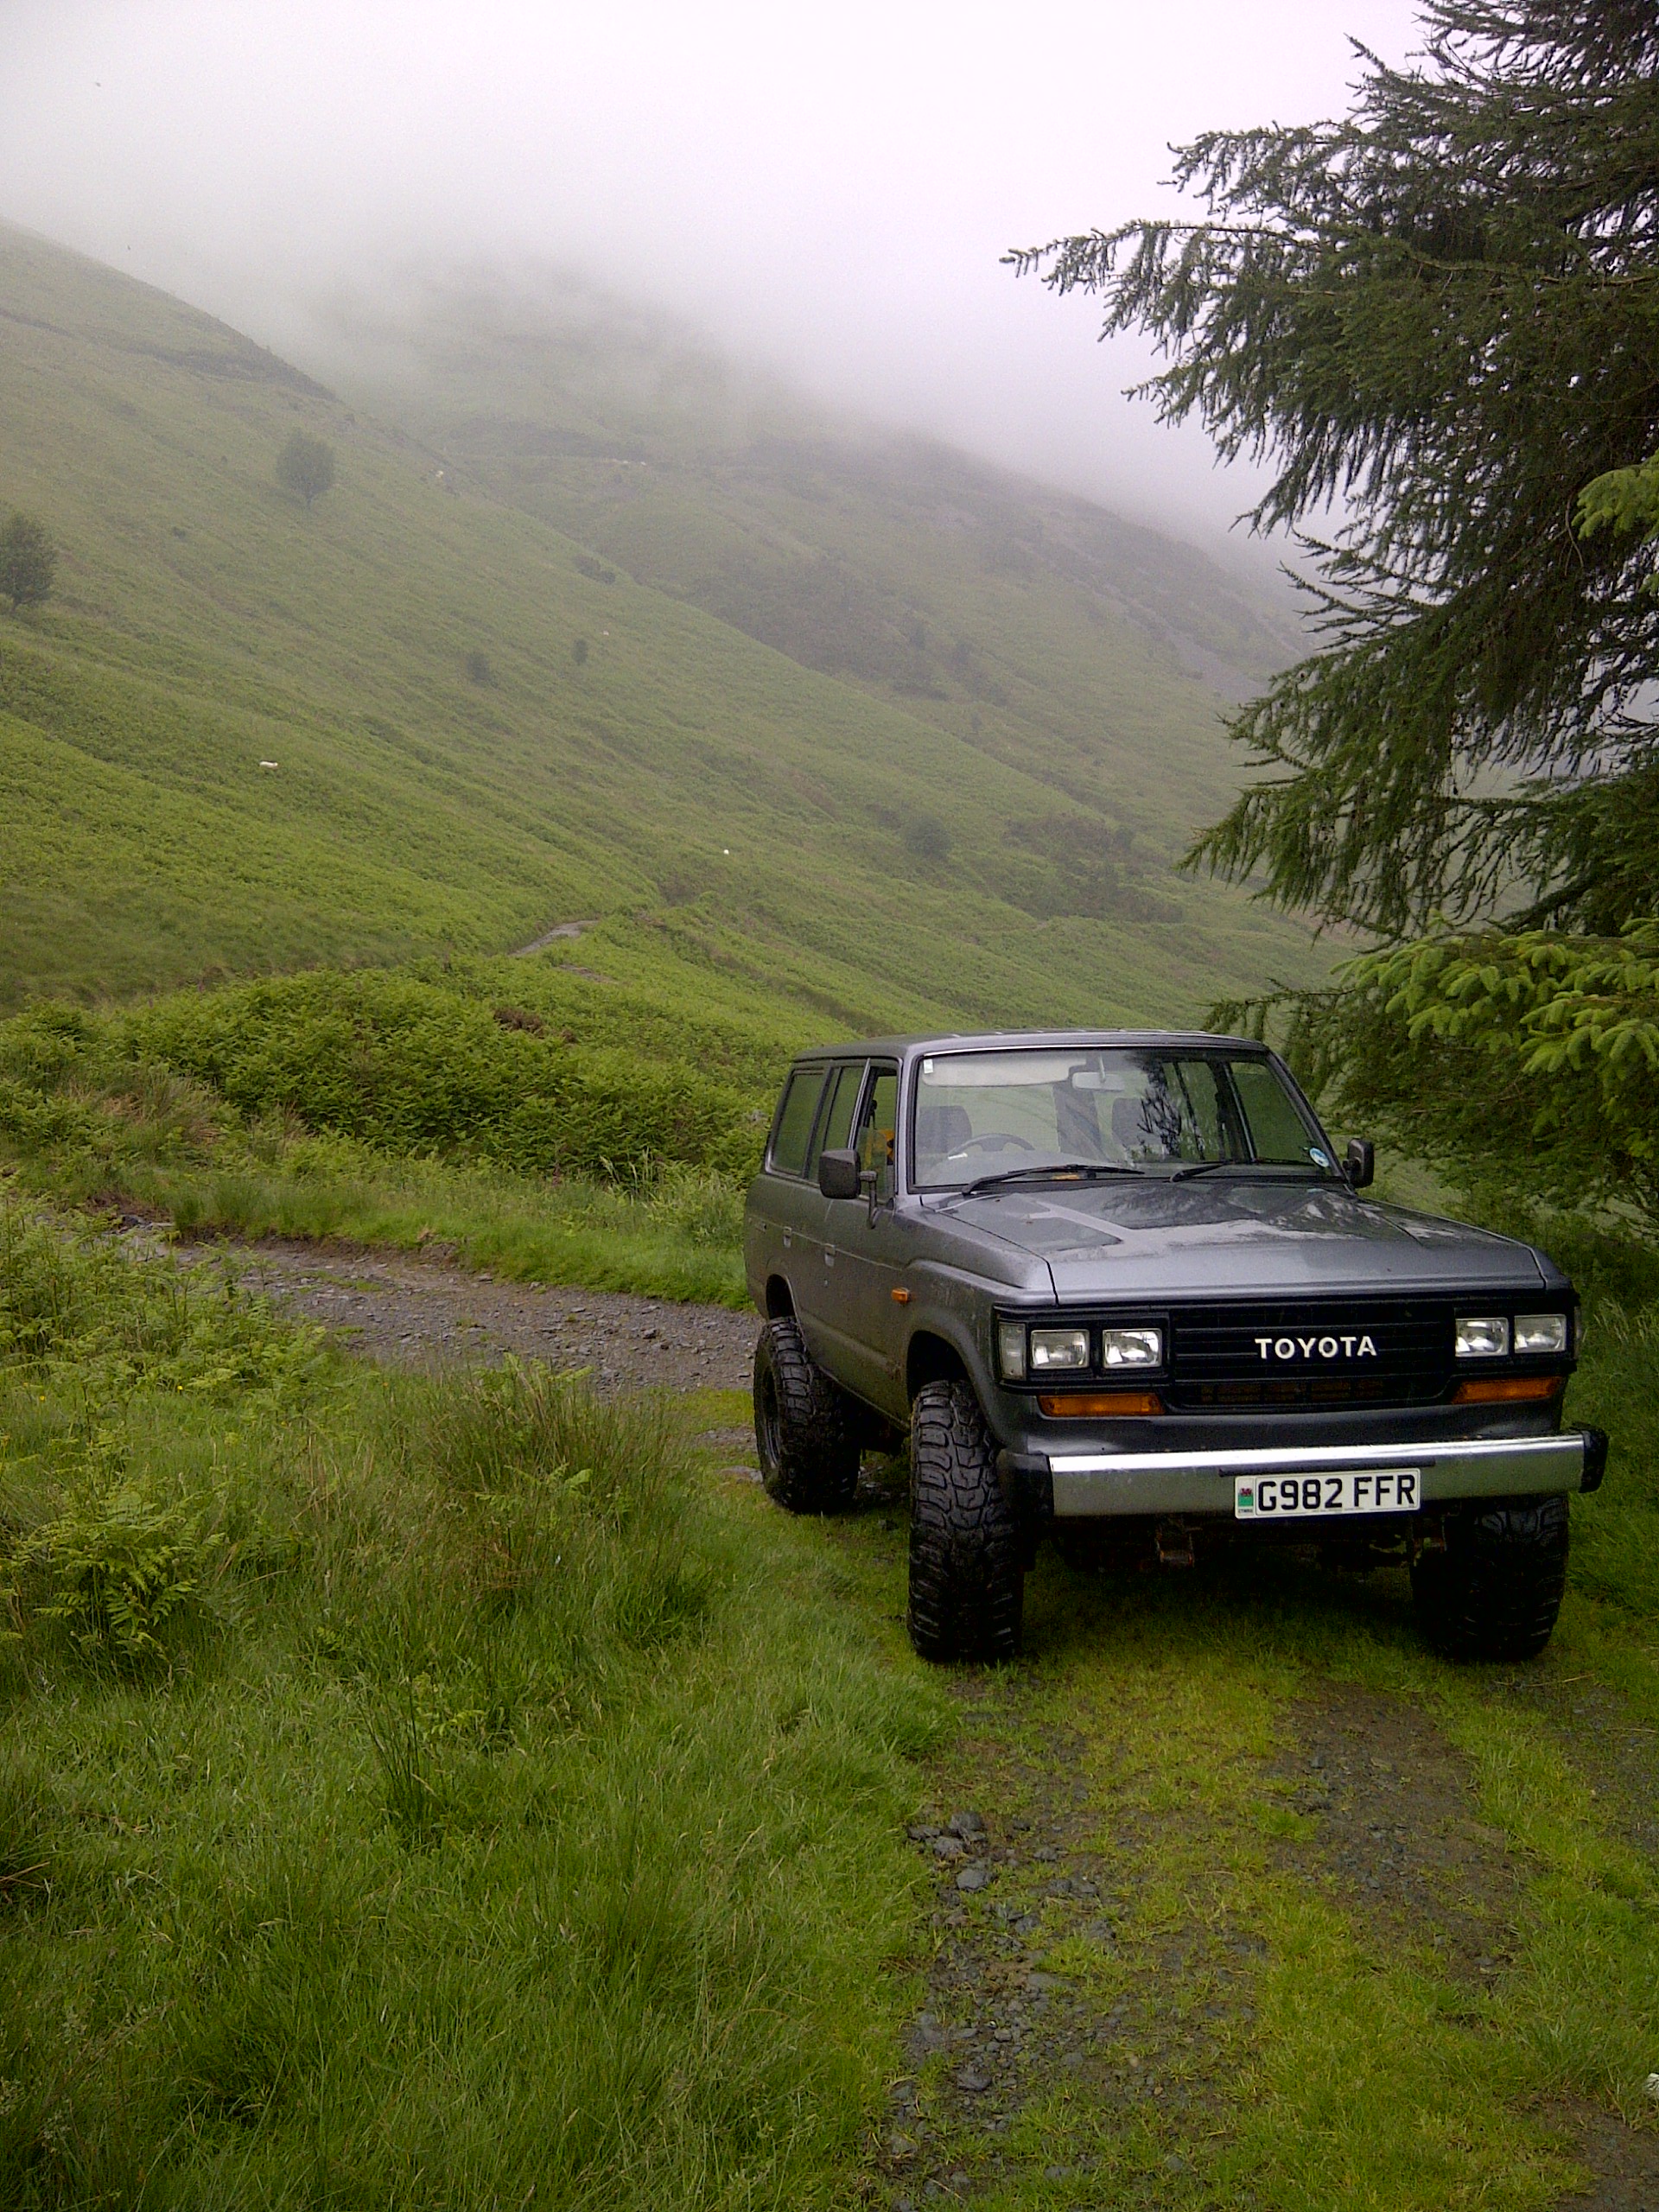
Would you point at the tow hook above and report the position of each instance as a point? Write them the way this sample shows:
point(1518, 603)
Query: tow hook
point(1174, 1540)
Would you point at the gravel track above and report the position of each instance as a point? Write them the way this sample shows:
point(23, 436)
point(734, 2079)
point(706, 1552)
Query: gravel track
point(406, 1311)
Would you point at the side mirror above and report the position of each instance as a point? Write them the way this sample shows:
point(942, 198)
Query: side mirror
point(838, 1175)
point(1359, 1164)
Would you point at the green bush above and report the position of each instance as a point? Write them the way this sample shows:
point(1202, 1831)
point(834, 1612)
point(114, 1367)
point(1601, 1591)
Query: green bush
point(413, 1067)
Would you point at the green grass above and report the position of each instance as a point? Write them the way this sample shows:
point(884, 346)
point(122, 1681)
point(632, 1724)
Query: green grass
point(738, 823)
point(415, 1793)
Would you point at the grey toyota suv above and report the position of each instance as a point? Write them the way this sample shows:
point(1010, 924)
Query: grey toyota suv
point(1119, 1285)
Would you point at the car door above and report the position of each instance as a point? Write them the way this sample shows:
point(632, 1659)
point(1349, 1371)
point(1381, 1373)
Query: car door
point(866, 1251)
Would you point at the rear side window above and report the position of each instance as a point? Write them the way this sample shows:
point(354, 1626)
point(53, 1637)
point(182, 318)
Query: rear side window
point(834, 1130)
point(797, 1111)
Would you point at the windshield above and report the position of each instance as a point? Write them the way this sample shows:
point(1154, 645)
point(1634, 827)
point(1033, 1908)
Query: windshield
point(1128, 1107)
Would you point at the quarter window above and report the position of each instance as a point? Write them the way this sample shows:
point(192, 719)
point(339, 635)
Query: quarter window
point(797, 1112)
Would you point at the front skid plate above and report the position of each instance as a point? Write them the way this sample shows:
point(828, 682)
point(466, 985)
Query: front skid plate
point(1089, 1484)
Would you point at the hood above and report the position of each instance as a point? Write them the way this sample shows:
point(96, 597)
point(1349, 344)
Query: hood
point(1227, 1235)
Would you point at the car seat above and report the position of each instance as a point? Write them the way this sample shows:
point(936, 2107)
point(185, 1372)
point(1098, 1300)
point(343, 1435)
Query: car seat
point(941, 1130)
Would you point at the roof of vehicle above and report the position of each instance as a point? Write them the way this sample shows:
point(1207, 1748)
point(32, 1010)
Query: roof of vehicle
point(1049, 1039)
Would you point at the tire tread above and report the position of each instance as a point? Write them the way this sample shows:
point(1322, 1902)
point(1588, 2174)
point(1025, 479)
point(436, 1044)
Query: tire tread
point(816, 1469)
point(1496, 1590)
point(966, 1583)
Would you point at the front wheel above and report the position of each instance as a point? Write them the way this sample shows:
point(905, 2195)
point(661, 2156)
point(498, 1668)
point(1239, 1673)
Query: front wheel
point(966, 1587)
point(806, 1427)
point(1495, 1590)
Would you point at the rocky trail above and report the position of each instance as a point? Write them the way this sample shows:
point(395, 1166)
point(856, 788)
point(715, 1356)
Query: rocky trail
point(412, 1313)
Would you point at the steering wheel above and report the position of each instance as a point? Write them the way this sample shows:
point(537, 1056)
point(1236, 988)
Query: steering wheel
point(998, 1143)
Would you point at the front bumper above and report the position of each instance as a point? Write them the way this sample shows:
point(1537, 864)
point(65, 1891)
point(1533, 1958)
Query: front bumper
point(1086, 1485)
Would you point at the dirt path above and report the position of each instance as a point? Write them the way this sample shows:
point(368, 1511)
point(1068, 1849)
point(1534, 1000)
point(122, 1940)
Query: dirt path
point(1115, 1889)
point(411, 1312)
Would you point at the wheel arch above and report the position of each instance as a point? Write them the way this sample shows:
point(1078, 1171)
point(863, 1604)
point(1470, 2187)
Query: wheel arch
point(780, 1300)
point(930, 1357)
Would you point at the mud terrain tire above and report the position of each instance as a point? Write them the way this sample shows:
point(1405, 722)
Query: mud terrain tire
point(806, 1430)
point(1495, 1590)
point(966, 1587)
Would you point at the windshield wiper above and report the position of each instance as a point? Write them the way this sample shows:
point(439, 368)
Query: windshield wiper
point(1055, 1172)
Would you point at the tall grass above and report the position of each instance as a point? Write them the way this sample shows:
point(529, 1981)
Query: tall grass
point(455, 1804)
point(311, 1136)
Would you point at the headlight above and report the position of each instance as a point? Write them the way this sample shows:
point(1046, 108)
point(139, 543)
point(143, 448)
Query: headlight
point(1132, 1347)
point(1057, 1348)
point(1541, 1333)
point(1011, 1349)
point(1483, 1336)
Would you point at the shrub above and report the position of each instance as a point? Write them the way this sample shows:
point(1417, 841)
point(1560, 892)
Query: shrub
point(29, 562)
point(413, 1067)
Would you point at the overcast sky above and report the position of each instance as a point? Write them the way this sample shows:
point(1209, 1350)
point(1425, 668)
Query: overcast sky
point(825, 189)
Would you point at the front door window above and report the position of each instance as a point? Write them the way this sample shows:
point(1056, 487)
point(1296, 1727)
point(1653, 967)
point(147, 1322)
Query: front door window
point(836, 1124)
point(878, 1126)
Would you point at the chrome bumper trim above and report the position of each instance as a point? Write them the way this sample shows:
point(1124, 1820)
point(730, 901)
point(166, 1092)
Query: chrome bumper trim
point(1091, 1482)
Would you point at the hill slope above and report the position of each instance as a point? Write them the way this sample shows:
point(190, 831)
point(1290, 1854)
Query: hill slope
point(738, 777)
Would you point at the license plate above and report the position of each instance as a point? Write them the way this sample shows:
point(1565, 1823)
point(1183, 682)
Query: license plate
point(1313, 1496)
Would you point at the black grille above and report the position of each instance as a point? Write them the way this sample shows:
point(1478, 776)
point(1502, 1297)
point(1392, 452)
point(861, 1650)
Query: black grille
point(1377, 1352)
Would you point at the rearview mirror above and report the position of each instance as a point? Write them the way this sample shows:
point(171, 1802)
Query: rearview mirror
point(1360, 1164)
point(838, 1176)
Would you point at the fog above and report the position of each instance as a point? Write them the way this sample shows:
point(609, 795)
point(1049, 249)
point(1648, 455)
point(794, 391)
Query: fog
point(825, 190)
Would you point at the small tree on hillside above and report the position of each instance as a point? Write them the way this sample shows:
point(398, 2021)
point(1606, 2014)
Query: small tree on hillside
point(29, 562)
point(305, 466)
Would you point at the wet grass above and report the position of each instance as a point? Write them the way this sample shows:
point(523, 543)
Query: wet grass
point(416, 1792)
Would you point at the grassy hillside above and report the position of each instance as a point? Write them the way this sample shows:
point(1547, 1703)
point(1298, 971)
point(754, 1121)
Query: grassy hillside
point(978, 829)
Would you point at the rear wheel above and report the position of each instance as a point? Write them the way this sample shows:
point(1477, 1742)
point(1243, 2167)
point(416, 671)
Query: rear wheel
point(1495, 1590)
point(806, 1429)
point(966, 1586)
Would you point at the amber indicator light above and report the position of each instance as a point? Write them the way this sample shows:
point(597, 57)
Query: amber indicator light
point(1507, 1389)
point(899, 1297)
point(1098, 1405)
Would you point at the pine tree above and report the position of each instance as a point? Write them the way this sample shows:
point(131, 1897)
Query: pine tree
point(1442, 312)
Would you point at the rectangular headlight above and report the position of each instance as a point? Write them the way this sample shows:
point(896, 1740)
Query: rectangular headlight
point(1541, 1333)
point(1011, 1349)
point(1132, 1347)
point(1483, 1336)
point(1057, 1348)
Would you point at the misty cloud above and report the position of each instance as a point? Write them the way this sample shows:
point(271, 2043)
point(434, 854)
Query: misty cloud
point(825, 190)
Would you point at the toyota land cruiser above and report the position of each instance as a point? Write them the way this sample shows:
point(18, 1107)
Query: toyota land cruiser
point(1121, 1283)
